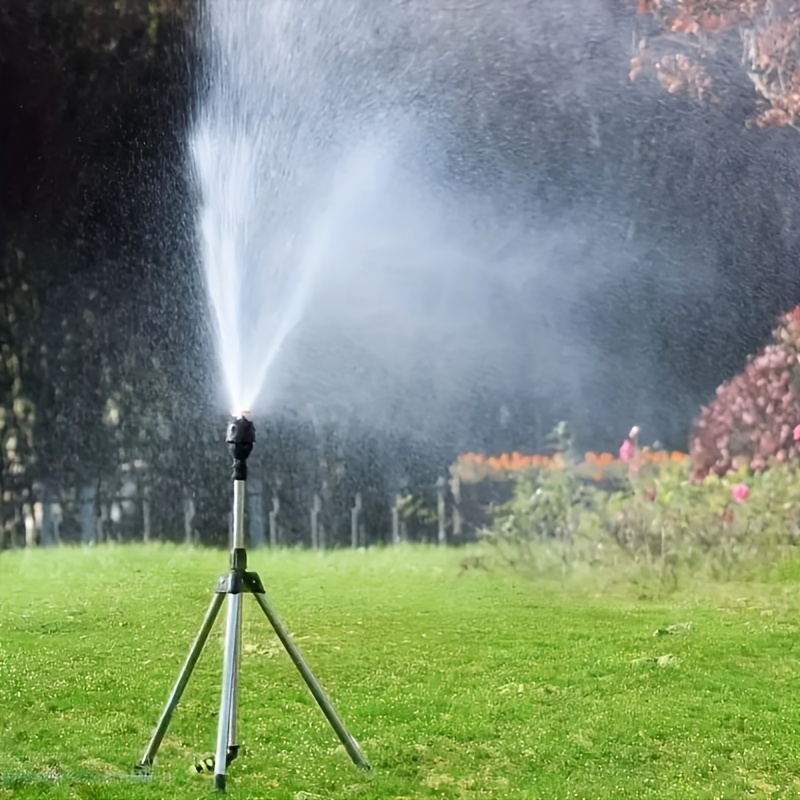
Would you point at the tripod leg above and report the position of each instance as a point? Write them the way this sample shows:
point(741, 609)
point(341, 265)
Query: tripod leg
point(226, 709)
point(324, 702)
point(233, 730)
point(180, 684)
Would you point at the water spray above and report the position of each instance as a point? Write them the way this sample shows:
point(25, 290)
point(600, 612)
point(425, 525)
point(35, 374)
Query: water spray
point(240, 439)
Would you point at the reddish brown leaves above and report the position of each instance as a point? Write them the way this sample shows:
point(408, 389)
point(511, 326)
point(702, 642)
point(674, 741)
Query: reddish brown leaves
point(769, 31)
point(679, 72)
point(752, 418)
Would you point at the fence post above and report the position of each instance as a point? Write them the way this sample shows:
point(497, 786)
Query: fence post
point(325, 524)
point(104, 521)
point(273, 520)
point(47, 525)
point(455, 488)
point(15, 527)
point(30, 524)
point(355, 521)
point(115, 512)
point(316, 509)
point(2, 507)
point(88, 514)
point(441, 510)
point(188, 515)
point(395, 518)
point(146, 529)
point(57, 512)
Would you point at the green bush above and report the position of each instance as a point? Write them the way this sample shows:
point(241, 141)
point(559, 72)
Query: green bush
point(664, 521)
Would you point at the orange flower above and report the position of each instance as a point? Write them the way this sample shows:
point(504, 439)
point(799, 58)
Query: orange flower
point(517, 461)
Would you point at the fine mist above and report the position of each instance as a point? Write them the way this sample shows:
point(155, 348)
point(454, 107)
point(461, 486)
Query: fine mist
point(368, 254)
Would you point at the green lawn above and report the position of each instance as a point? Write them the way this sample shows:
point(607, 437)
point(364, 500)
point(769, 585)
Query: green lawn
point(458, 683)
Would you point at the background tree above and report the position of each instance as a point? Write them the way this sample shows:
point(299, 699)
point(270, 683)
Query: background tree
point(693, 45)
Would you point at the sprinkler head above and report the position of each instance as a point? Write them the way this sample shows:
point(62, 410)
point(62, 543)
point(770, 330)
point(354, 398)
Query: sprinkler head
point(240, 440)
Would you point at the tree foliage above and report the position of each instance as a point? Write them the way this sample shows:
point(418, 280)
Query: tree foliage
point(688, 42)
point(751, 421)
point(70, 217)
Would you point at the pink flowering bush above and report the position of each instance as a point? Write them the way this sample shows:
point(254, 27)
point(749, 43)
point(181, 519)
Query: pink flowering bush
point(740, 492)
point(754, 419)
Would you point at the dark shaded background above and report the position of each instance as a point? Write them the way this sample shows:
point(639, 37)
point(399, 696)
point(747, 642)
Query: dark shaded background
point(106, 356)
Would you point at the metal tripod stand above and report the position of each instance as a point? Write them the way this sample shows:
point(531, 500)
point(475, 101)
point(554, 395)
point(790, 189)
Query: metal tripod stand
point(237, 582)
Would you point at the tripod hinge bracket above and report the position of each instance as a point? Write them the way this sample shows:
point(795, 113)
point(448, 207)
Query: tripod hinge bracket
point(238, 581)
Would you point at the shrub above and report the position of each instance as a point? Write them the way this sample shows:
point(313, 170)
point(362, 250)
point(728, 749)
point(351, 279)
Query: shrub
point(546, 504)
point(662, 520)
point(752, 418)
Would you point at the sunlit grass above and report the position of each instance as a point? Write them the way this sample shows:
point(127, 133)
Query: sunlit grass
point(458, 683)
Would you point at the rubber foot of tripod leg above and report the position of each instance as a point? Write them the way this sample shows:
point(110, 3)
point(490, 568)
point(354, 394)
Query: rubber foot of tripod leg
point(219, 782)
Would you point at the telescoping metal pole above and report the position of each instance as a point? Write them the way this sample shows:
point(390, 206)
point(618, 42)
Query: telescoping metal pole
point(237, 543)
point(241, 438)
point(228, 712)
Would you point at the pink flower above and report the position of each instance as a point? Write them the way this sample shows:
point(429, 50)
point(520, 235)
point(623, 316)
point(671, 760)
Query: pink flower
point(796, 433)
point(626, 451)
point(740, 492)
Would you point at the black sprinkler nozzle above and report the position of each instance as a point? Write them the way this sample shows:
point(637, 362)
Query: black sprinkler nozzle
point(240, 441)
